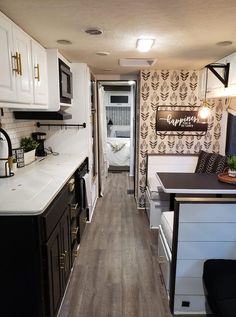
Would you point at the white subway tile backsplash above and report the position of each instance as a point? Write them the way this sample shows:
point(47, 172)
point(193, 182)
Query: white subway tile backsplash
point(16, 129)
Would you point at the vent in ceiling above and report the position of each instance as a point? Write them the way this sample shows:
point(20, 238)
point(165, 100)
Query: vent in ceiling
point(137, 62)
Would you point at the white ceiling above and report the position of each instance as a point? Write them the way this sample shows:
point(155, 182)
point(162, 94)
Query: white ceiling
point(186, 31)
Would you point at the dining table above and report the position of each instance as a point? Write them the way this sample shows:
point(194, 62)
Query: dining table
point(194, 184)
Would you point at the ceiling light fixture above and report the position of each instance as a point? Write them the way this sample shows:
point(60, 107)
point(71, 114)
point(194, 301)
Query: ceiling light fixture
point(224, 43)
point(144, 45)
point(102, 53)
point(93, 31)
point(64, 42)
point(204, 110)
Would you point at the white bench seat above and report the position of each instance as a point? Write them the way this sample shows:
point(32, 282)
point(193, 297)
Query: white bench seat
point(167, 224)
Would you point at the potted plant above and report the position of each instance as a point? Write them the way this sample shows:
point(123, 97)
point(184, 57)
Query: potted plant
point(231, 162)
point(29, 145)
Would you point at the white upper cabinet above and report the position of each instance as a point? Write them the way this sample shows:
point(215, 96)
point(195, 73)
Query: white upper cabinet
point(23, 69)
point(7, 65)
point(40, 78)
point(24, 78)
point(212, 87)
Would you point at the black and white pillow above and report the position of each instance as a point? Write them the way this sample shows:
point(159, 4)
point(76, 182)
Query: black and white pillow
point(211, 163)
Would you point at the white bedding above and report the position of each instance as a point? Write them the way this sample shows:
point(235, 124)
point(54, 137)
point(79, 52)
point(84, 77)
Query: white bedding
point(118, 151)
point(119, 131)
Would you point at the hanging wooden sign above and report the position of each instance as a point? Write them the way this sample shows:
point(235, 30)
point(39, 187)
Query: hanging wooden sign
point(180, 120)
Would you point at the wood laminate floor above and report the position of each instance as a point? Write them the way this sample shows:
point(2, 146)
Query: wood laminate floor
point(116, 273)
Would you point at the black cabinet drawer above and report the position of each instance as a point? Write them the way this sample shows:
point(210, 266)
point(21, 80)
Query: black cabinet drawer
point(53, 214)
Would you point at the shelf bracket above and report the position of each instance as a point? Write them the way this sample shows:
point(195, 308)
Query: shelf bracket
point(225, 78)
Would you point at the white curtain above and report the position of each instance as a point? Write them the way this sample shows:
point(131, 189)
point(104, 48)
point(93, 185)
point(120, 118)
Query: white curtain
point(103, 162)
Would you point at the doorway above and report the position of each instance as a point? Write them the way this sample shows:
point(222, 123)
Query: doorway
point(116, 124)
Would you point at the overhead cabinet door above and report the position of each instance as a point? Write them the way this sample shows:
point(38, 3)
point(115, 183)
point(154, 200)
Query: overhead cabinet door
point(7, 73)
point(24, 78)
point(40, 80)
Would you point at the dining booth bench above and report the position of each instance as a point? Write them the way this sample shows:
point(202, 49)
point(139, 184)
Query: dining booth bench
point(187, 232)
point(156, 200)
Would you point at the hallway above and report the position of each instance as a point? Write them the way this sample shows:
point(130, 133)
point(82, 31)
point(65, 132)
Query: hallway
point(116, 272)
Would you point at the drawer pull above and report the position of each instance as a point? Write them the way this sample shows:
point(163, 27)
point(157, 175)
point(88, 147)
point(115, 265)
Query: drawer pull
point(71, 185)
point(161, 259)
point(62, 261)
point(74, 232)
point(73, 208)
point(66, 261)
point(75, 253)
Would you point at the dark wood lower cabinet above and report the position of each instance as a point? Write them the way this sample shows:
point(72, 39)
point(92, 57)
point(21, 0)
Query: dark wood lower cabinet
point(35, 260)
point(58, 263)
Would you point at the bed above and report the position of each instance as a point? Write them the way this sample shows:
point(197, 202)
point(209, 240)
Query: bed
point(118, 152)
point(119, 131)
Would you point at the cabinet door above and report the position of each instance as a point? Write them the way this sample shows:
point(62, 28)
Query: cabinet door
point(66, 246)
point(24, 78)
point(55, 262)
point(7, 74)
point(82, 221)
point(40, 79)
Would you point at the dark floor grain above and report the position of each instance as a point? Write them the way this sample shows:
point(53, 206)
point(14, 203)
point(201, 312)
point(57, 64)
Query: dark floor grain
point(116, 273)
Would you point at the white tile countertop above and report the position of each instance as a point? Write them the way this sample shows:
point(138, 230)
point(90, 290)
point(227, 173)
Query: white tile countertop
point(33, 187)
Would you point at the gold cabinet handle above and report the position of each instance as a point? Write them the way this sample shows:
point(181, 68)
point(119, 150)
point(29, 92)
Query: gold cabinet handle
point(37, 76)
point(20, 65)
point(62, 261)
point(73, 208)
point(75, 253)
point(161, 259)
point(74, 232)
point(66, 260)
point(15, 63)
point(71, 185)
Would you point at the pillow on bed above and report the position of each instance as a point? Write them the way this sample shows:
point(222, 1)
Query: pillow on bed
point(210, 163)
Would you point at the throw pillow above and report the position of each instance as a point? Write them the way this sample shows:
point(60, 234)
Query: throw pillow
point(211, 163)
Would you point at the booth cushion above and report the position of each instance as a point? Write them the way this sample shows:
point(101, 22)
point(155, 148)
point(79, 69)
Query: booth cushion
point(210, 163)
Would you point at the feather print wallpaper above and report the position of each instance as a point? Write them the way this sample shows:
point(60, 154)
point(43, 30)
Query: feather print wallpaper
point(172, 88)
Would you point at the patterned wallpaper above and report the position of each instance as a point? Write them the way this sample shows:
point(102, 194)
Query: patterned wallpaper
point(176, 88)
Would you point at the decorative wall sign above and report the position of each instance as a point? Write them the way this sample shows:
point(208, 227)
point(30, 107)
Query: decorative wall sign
point(18, 154)
point(178, 120)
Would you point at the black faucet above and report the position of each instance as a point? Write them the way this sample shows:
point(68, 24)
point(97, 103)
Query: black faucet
point(9, 159)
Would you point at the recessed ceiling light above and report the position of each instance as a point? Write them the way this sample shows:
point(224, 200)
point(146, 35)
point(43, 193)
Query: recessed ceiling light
point(94, 31)
point(102, 53)
point(64, 42)
point(144, 45)
point(224, 43)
